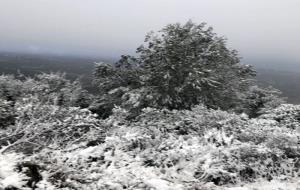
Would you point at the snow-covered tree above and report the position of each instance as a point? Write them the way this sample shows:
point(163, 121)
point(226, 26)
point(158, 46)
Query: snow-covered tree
point(179, 67)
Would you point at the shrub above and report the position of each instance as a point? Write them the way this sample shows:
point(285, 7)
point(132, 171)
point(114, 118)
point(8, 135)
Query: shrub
point(41, 125)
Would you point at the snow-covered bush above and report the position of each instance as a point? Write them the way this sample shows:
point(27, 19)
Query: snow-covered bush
point(54, 88)
point(51, 88)
point(257, 100)
point(287, 115)
point(40, 125)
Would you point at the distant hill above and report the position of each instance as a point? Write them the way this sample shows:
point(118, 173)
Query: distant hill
point(29, 64)
point(286, 81)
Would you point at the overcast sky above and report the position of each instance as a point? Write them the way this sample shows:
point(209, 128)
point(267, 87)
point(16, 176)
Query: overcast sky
point(259, 29)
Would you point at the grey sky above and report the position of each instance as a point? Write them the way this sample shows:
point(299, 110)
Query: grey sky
point(108, 28)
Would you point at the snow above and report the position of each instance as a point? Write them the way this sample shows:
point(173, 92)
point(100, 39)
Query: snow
point(159, 184)
point(272, 185)
point(8, 175)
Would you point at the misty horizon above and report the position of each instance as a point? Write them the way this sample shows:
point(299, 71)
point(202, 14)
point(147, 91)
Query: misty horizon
point(264, 33)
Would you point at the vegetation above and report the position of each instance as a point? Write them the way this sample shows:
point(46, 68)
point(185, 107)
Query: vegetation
point(183, 114)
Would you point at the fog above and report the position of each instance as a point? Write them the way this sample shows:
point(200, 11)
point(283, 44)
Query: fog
point(264, 32)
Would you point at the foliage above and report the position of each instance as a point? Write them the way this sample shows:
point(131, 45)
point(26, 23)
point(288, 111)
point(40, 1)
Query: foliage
point(188, 64)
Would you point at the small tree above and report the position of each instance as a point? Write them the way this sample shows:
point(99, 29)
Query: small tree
point(179, 67)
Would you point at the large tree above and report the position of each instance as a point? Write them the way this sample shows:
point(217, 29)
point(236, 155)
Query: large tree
point(176, 68)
